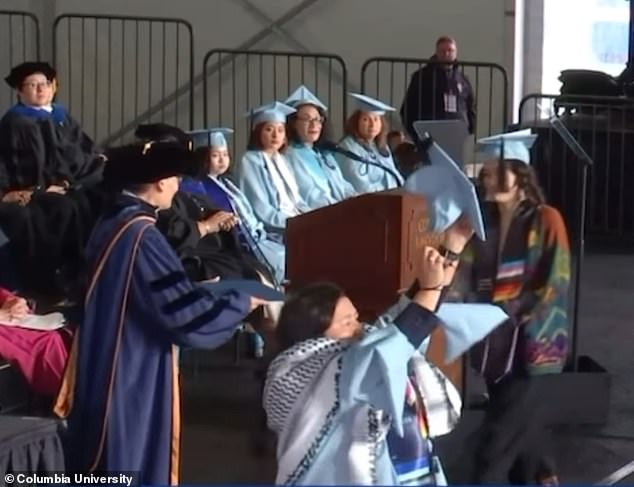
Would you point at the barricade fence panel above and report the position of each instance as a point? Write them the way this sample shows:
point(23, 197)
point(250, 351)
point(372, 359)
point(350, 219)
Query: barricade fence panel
point(388, 80)
point(236, 82)
point(117, 72)
point(20, 34)
point(604, 127)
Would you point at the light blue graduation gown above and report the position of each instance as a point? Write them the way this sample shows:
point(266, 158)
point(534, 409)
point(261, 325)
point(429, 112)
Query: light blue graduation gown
point(273, 252)
point(366, 178)
point(253, 178)
point(374, 371)
point(318, 176)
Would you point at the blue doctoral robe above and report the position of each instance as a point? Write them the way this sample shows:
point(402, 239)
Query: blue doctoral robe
point(121, 384)
point(227, 196)
point(366, 178)
point(318, 176)
point(257, 185)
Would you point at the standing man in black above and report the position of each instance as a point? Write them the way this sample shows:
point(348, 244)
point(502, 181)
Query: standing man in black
point(439, 91)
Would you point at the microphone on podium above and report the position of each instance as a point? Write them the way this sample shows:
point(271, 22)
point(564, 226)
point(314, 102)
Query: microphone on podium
point(327, 146)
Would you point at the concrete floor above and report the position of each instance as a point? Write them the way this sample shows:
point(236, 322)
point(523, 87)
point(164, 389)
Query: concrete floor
point(221, 410)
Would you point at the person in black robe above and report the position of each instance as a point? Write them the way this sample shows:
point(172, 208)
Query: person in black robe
point(50, 194)
point(47, 238)
point(206, 241)
point(41, 145)
point(204, 237)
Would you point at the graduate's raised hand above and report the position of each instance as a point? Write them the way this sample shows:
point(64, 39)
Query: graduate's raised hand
point(432, 271)
point(458, 235)
point(430, 279)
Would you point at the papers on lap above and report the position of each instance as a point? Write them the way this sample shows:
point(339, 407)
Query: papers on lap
point(49, 322)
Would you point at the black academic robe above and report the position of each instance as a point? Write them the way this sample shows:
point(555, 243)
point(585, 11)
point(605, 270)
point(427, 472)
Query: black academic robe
point(216, 254)
point(48, 237)
point(120, 392)
point(39, 149)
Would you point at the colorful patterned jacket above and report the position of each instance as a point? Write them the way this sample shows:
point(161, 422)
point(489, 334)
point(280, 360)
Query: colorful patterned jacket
point(530, 279)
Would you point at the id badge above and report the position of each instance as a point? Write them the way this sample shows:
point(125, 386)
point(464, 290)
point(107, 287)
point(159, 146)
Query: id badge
point(451, 104)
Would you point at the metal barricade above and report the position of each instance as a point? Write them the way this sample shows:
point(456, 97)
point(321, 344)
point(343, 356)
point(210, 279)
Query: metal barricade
point(237, 81)
point(21, 34)
point(388, 80)
point(605, 128)
point(117, 72)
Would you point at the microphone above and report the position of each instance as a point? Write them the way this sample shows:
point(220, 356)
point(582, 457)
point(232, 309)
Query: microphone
point(332, 147)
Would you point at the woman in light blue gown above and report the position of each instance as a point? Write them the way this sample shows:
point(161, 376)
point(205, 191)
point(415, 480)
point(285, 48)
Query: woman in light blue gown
point(264, 174)
point(355, 404)
point(226, 195)
point(366, 137)
point(317, 173)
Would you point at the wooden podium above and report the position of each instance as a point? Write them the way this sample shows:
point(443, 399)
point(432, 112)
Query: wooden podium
point(371, 246)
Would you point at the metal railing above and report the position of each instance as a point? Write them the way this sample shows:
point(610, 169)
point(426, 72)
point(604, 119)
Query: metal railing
point(388, 79)
point(20, 34)
point(604, 127)
point(237, 81)
point(117, 71)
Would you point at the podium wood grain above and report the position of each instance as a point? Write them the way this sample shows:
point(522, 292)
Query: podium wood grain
point(371, 246)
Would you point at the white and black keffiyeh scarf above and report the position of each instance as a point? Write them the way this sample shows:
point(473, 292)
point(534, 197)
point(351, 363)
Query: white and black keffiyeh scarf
point(301, 399)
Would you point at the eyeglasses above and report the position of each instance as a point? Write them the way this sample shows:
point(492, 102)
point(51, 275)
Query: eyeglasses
point(309, 121)
point(35, 85)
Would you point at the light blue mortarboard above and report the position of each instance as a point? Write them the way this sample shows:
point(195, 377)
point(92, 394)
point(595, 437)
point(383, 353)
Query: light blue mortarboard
point(210, 137)
point(516, 145)
point(370, 105)
point(275, 112)
point(303, 96)
point(448, 190)
point(466, 324)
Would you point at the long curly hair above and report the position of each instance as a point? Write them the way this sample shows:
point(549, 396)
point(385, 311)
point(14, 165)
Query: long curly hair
point(526, 179)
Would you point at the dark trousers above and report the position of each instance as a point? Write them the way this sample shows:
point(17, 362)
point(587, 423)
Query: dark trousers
point(513, 441)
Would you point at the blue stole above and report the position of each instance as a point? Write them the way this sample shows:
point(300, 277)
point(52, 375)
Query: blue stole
point(58, 114)
point(219, 197)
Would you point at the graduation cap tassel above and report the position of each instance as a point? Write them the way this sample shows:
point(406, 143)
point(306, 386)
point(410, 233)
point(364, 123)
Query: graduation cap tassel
point(501, 168)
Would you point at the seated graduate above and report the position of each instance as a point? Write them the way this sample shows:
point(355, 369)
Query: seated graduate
point(120, 392)
point(355, 404)
point(524, 267)
point(215, 184)
point(40, 355)
point(264, 174)
point(41, 146)
point(202, 234)
point(366, 136)
point(317, 173)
